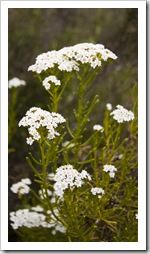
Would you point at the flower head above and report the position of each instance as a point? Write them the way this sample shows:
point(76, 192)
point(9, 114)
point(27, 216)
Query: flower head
point(122, 115)
point(36, 119)
point(28, 219)
point(111, 169)
point(26, 181)
point(70, 58)
point(37, 208)
point(109, 106)
point(15, 82)
point(21, 187)
point(98, 127)
point(97, 190)
point(66, 176)
point(50, 80)
point(35, 218)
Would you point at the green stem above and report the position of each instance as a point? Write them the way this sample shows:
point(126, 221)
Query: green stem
point(114, 143)
point(69, 238)
point(33, 168)
point(45, 185)
point(82, 111)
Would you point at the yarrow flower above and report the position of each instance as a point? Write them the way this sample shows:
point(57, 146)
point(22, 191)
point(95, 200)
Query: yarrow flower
point(26, 181)
point(97, 190)
point(111, 169)
point(109, 106)
point(34, 218)
point(66, 176)
point(122, 115)
point(136, 216)
point(50, 80)
point(70, 58)
point(36, 118)
point(21, 187)
point(15, 82)
point(37, 208)
point(98, 127)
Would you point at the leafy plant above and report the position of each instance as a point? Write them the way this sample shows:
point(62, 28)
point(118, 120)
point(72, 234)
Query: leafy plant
point(86, 183)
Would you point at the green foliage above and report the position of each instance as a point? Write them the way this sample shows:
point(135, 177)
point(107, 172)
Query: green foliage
point(85, 216)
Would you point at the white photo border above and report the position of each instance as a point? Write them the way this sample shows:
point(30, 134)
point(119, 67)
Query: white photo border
point(141, 244)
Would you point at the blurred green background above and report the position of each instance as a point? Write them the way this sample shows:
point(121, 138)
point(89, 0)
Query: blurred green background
point(34, 31)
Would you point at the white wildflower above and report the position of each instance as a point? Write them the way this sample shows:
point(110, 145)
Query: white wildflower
point(111, 169)
point(66, 176)
point(84, 174)
point(97, 190)
point(70, 58)
point(109, 106)
point(122, 115)
point(111, 174)
point(35, 218)
point(36, 118)
point(60, 228)
point(26, 181)
point(98, 127)
point(51, 79)
point(15, 82)
point(27, 219)
point(53, 200)
point(136, 216)
point(21, 187)
point(29, 141)
point(37, 208)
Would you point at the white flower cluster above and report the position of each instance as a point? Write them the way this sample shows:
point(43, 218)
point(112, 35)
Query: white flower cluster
point(111, 169)
point(37, 208)
point(42, 193)
point(51, 79)
point(136, 216)
point(15, 82)
point(36, 118)
point(122, 115)
point(70, 58)
point(97, 190)
point(68, 176)
point(98, 127)
point(34, 218)
point(21, 187)
point(109, 106)
point(27, 219)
